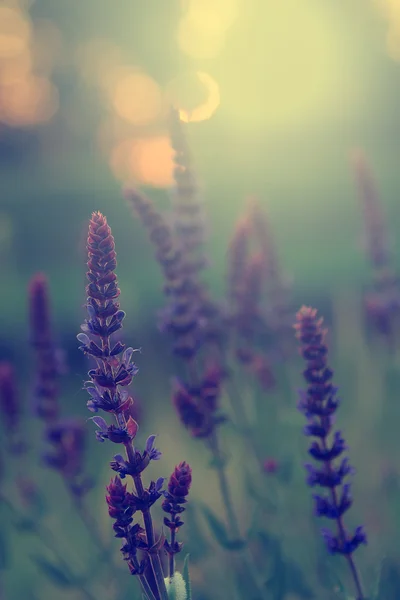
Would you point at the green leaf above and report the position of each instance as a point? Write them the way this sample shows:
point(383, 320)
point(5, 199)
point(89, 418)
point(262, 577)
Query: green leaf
point(186, 577)
point(53, 572)
point(176, 587)
point(220, 533)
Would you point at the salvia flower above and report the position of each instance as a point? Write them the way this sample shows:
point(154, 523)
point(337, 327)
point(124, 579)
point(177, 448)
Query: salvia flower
point(319, 403)
point(181, 317)
point(47, 356)
point(113, 373)
point(189, 220)
point(121, 507)
point(175, 497)
point(382, 299)
point(68, 440)
point(198, 405)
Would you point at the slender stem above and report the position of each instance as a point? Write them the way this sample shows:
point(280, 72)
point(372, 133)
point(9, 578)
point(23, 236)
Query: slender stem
point(224, 485)
point(146, 588)
point(242, 421)
point(349, 557)
point(247, 562)
point(154, 556)
point(172, 553)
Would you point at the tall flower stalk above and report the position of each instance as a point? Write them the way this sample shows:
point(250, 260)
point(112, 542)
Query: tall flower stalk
point(114, 371)
point(186, 319)
point(319, 403)
point(382, 299)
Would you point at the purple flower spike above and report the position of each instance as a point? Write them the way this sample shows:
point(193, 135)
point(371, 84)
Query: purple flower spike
point(178, 490)
point(318, 403)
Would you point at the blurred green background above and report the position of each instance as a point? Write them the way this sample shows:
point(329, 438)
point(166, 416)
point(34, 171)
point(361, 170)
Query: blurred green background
point(277, 95)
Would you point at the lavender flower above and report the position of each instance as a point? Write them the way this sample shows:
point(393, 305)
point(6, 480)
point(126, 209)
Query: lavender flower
point(68, 440)
point(48, 371)
point(237, 259)
point(382, 300)
point(181, 316)
point(65, 436)
point(376, 239)
point(121, 507)
point(189, 222)
point(197, 405)
point(113, 372)
point(178, 489)
point(319, 403)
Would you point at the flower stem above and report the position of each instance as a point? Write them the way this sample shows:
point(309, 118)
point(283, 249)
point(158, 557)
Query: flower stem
point(246, 561)
point(172, 553)
point(154, 555)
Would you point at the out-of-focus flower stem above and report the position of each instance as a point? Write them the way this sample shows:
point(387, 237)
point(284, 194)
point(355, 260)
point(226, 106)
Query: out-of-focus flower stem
point(232, 520)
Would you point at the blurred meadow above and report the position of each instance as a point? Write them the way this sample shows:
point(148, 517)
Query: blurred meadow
point(276, 99)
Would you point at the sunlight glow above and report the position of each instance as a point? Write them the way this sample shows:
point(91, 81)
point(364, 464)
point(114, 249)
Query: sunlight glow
point(202, 29)
point(148, 161)
point(137, 97)
point(29, 101)
point(15, 31)
point(290, 70)
point(195, 94)
point(391, 11)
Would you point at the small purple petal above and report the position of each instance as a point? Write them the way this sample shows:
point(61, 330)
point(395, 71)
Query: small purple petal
point(100, 422)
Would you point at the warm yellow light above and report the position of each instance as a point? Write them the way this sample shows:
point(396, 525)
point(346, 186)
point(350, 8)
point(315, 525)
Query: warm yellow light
point(28, 101)
point(199, 43)
point(201, 31)
point(15, 68)
point(391, 11)
point(213, 15)
point(291, 69)
point(195, 94)
point(137, 98)
point(15, 31)
point(148, 161)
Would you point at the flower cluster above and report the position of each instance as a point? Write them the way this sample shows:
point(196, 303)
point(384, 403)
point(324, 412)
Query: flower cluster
point(175, 497)
point(47, 355)
point(68, 441)
point(180, 318)
point(188, 213)
point(319, 403)
point(382, 299)
point(197, 405)
point(65, 436)
point(121, 507)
